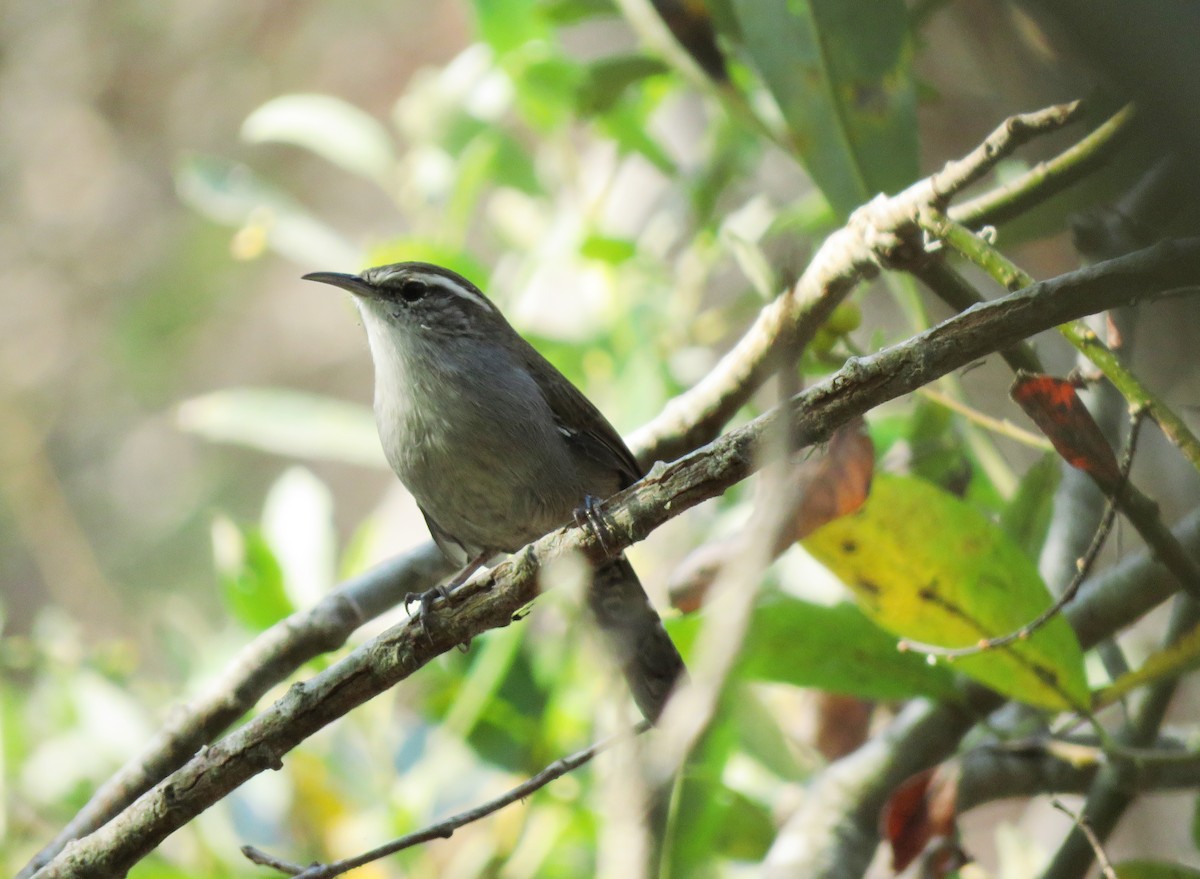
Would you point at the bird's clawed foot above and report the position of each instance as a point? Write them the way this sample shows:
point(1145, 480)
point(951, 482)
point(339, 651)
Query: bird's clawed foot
point(591, 515)
point(426, 600)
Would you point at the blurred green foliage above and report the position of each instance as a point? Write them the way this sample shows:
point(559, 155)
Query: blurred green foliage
point(596, 195)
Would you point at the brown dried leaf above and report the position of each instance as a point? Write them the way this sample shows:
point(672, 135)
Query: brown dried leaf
point(828, 483)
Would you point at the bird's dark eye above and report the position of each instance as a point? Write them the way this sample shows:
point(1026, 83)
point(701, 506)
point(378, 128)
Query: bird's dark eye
point(413, 290)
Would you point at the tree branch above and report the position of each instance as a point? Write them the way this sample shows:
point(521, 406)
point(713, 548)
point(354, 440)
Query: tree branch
point(992, 772)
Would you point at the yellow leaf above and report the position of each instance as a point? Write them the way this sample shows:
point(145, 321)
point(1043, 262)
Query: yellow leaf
point(929, 567)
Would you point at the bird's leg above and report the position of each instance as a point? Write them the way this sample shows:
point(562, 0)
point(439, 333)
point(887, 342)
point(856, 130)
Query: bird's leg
point(591, 515)
point(426, 599)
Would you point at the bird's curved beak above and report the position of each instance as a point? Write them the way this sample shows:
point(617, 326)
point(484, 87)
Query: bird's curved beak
point(353, 283)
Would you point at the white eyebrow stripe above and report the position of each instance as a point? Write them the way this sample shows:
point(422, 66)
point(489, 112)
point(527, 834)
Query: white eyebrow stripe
point(452, 286)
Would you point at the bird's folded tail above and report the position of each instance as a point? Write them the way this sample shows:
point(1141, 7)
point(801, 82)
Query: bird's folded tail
point(635, 635)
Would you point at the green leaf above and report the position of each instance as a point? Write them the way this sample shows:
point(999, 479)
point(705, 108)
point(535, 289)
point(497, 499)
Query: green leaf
point(333, 129)
point(714, 819)
point(724, 19)
point(154, 868)
point(491, 159)
point(837, 649)
point(604, 248)
point(250, 575)
point(761, 736)
point(492, 659)
point(1026, 519)
point(840, 72)
point(929, 567)
point(547, 86)
point(605, 81)
point(1196, 823)
point(937, 451)
point(735, 150)
point(506, 732)
point(627, 125)
point(754, 263)
point(565, 12)
point(507, 24)
point(745, 827)
point(512, 165)
point(939, 454)
point(285, 423)
point(1154, 870)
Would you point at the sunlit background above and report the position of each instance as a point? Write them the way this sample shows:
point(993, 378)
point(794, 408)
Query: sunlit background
point(185, 447)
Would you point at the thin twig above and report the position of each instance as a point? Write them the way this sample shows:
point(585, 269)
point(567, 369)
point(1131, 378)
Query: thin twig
point(1082, 823)
point(1046, 179)
point(444, 829)
point(1011, 134)
point(1082, 569)
point(999, 426)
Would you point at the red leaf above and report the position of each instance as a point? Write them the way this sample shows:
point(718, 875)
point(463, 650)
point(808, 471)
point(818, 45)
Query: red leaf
point(1055, 407)
point(921, 809)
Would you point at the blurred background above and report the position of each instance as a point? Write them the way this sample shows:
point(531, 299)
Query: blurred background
point(186, 451)
point(121, 301)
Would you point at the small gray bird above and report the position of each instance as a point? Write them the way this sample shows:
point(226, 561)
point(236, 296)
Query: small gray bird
point(497, 446)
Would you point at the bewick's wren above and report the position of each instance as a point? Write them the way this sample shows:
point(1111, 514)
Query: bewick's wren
point(497, 446)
